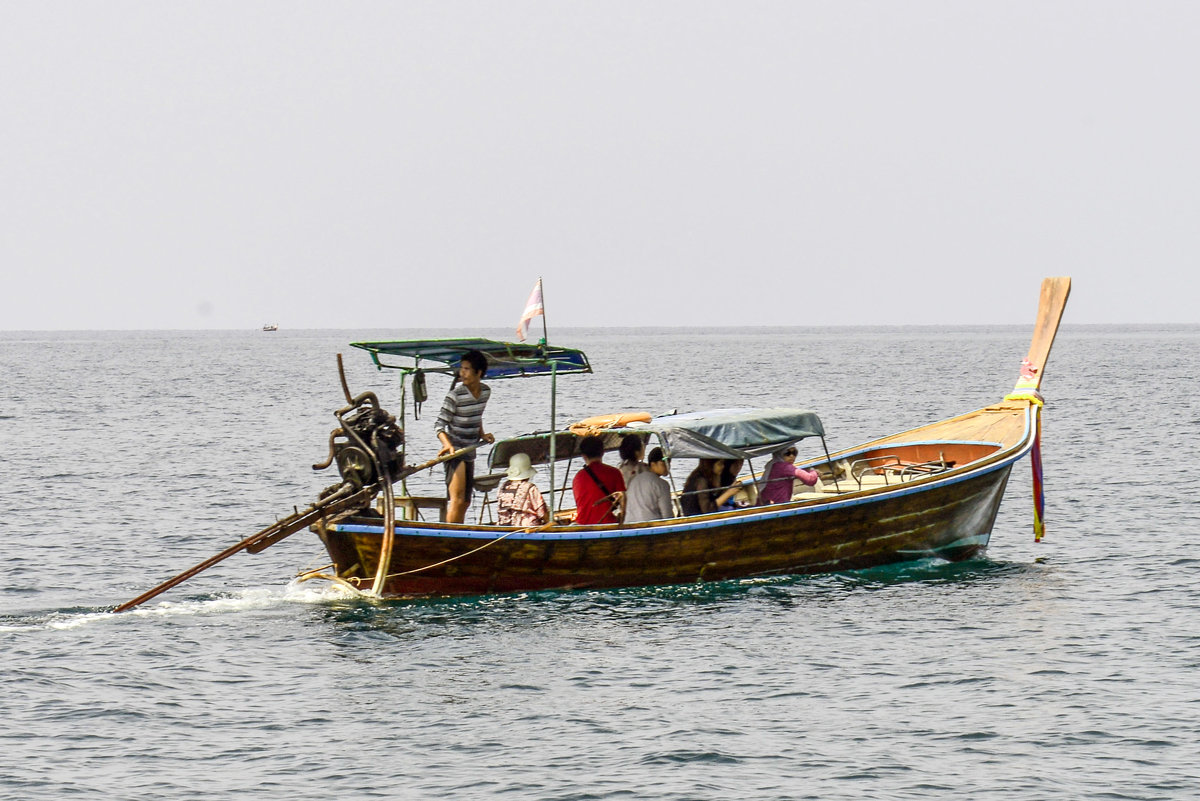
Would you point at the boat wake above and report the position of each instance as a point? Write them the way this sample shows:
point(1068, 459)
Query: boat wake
point(933, 570)
point(247, 600)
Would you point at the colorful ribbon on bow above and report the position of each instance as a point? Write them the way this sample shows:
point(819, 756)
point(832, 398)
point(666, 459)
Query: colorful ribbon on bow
point(1039, 494)
point(1035, 458)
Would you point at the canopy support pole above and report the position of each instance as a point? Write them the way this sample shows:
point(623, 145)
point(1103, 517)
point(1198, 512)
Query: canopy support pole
point(545, 332)
point(566, 476)
point(553, 424)
point(829, 461)
point(675, 493)
point(404, 438)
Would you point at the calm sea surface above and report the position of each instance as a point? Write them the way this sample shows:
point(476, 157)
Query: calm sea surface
point(1063, 670)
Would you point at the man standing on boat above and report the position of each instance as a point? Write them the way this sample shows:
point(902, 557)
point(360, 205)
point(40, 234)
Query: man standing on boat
point(598, 488)
point(459, 425)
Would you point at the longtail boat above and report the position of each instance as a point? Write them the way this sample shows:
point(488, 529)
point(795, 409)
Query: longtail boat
point(932, 491)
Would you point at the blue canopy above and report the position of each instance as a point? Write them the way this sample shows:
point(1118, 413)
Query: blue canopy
point(505, 359)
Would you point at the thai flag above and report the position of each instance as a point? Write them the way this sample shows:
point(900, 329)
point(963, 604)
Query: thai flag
point(533, 308)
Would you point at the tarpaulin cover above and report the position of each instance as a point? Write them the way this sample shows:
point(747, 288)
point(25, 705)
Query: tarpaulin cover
point(537, 446)
point(733, 433)
point(505, 359)
point(715, 434)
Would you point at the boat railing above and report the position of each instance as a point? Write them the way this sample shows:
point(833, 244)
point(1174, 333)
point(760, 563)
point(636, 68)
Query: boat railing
point(488, 484)
point(868, 473)
point(888, 466)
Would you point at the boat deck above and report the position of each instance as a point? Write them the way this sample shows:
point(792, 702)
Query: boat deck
point(887, 462)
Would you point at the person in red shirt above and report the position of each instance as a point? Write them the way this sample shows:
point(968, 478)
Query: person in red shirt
point(598, 488)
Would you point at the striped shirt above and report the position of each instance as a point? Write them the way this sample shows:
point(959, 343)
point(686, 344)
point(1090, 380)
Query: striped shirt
point(461, 417)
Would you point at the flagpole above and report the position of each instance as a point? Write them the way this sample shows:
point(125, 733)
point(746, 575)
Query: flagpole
point(542, 292)
point(553, 432)
point(553, 401)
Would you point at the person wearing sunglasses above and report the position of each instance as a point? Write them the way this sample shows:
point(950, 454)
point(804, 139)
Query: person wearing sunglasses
point(779, 474)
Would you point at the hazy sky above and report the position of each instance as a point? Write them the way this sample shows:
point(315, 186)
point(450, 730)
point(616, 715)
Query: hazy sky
point(380, 164)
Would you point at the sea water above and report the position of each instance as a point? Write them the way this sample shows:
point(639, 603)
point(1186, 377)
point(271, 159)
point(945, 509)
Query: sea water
point(1062, 670)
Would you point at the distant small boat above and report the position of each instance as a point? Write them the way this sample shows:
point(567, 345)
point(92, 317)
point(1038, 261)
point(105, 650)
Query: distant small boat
point(271, 327)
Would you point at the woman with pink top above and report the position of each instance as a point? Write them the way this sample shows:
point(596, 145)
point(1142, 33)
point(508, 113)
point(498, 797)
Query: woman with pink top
point(779, 474)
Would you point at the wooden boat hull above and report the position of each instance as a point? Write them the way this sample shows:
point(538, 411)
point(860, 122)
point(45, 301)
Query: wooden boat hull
point(952, 522)
point(949, 515)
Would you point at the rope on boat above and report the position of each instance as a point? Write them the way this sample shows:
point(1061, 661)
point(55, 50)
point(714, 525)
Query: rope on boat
point(351, 585)
point(1031, 395)
point(488, 544)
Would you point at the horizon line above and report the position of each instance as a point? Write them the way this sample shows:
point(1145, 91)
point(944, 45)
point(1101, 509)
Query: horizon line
point(680, 326)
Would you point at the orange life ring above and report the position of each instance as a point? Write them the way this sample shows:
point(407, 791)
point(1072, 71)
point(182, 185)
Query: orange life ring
point(603, 422)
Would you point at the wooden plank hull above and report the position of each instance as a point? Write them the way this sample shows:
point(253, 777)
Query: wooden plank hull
point(948, 516)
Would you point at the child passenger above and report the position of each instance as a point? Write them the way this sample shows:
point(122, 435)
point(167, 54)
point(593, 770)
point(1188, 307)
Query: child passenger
point(649, 494)
point(703, 493)
point(632, 450)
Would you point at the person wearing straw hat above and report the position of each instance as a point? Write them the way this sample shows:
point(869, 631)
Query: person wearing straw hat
point(520, 502)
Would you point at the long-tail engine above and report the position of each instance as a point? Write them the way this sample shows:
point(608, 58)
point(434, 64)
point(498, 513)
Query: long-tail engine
point(369, 444)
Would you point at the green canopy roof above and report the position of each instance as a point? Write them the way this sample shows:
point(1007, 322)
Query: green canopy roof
point(505, 359)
